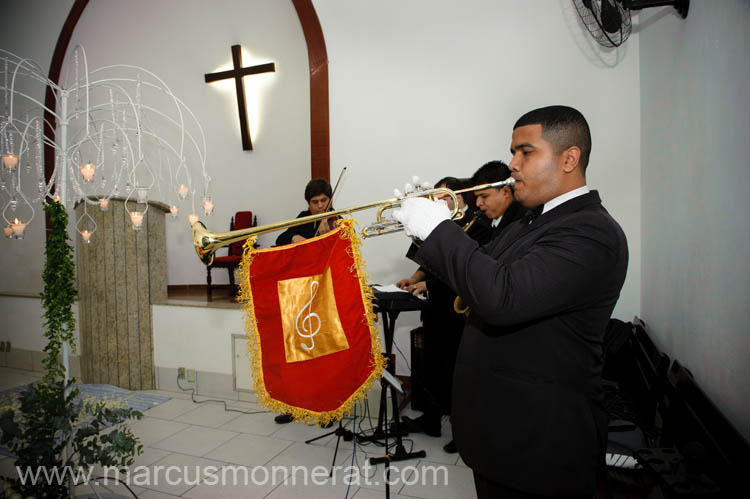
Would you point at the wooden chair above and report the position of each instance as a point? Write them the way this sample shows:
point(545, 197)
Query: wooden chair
point(240, 220)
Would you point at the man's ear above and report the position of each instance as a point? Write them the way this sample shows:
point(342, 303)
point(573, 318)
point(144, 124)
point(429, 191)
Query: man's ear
point(570, 158)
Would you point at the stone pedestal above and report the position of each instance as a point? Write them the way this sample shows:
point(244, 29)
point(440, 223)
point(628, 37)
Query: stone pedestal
point(121, 272)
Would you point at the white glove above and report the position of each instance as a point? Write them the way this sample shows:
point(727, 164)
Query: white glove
point(420, 216)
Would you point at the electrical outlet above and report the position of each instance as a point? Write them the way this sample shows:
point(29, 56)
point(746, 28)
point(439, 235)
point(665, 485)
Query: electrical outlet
point(191, 375)
point(180, 373)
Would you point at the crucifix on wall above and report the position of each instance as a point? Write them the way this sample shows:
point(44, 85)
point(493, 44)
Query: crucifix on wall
point(237, 73)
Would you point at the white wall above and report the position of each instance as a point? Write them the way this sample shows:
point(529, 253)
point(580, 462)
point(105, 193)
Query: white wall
point(424, 87)
point(432, 88)
point(696, 237)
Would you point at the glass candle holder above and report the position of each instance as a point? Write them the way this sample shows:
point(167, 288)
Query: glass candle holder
point(86, 236)
point(192, 218)
point(183, 191)
point(87, 171)
point(136, 218)
point(174, 210)
point(104, 204)
point(208, 206)
point(18, 228)
point(10, 161)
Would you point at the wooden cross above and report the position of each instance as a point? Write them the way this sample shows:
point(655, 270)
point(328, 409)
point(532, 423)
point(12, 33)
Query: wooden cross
point(237, 73)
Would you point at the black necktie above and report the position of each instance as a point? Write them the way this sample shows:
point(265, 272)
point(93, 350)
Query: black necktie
point(530, 215)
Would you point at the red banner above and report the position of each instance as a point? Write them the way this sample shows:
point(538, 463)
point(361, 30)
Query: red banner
point(312, 341)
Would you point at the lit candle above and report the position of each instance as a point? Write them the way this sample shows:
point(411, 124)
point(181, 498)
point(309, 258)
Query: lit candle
point(18, 228)
point(208, 206)
point(87, 171)
point(8, 230)
point(182, 191)
point(104, 204)
point(86, 235)
point(136, 218)
point(192, 218)
point(56, 199)
point(10, 161)
point(173, 210)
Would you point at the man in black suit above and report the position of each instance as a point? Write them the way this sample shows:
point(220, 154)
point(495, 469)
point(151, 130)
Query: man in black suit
point(541, 294)
point(497, 205)
point(442, 325)
point(318, 194)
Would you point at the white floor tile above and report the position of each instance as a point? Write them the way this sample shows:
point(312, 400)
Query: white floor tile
point(175, 474)
point(171, 409)
point(248, 450)
point(256, 424)
point(208, 414)
point(152, 430)
point(195, 440)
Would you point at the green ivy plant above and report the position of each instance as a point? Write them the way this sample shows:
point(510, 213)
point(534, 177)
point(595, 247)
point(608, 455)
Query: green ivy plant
point(50, 415)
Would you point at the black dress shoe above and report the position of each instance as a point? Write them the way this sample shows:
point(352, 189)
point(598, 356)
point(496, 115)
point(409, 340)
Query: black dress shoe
point(421, 425)
point(328, 424)
point(283, 418)
point(450, 447)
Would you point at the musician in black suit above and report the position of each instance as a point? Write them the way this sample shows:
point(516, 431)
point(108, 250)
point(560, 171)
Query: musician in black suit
point(541, 294)
point(497, 205)
point(318, 195)
point(442, 325)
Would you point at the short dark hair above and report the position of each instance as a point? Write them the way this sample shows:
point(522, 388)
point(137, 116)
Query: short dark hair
point(451, 183)
point(489, 173)
point(316, 187)
point(563, 127)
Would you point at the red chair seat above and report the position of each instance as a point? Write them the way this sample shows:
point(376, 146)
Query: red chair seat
point(240, 220)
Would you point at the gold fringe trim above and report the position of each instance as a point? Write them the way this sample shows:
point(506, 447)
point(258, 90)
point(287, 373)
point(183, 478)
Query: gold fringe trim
point(345, 231)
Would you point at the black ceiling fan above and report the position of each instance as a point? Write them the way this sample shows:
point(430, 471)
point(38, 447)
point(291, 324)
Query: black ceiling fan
point(608, 21)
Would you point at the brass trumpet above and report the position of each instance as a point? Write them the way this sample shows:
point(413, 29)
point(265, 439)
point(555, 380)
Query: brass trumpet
point(206, 242)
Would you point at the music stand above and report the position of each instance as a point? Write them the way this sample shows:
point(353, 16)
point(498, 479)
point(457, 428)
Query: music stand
point(339, 432)
point(390, 305)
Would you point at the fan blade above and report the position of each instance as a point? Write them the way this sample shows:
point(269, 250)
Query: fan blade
point(610, 16)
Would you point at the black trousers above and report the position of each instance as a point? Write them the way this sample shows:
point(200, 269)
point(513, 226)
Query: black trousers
point(487, 489)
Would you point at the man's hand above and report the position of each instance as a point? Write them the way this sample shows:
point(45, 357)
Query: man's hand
point(297, 238)
point(418, 289)
point(405, 283)
point(420, 216)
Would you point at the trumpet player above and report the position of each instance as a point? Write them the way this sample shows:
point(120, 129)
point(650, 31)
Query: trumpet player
point(497, 204)
point(527, 414)
point(442, 326)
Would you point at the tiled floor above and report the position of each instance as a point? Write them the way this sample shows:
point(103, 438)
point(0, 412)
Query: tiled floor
point(189, 449)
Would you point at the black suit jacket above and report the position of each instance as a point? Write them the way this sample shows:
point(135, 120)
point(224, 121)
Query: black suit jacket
point(526, 392)
point(513, 213)
point(307, 230)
